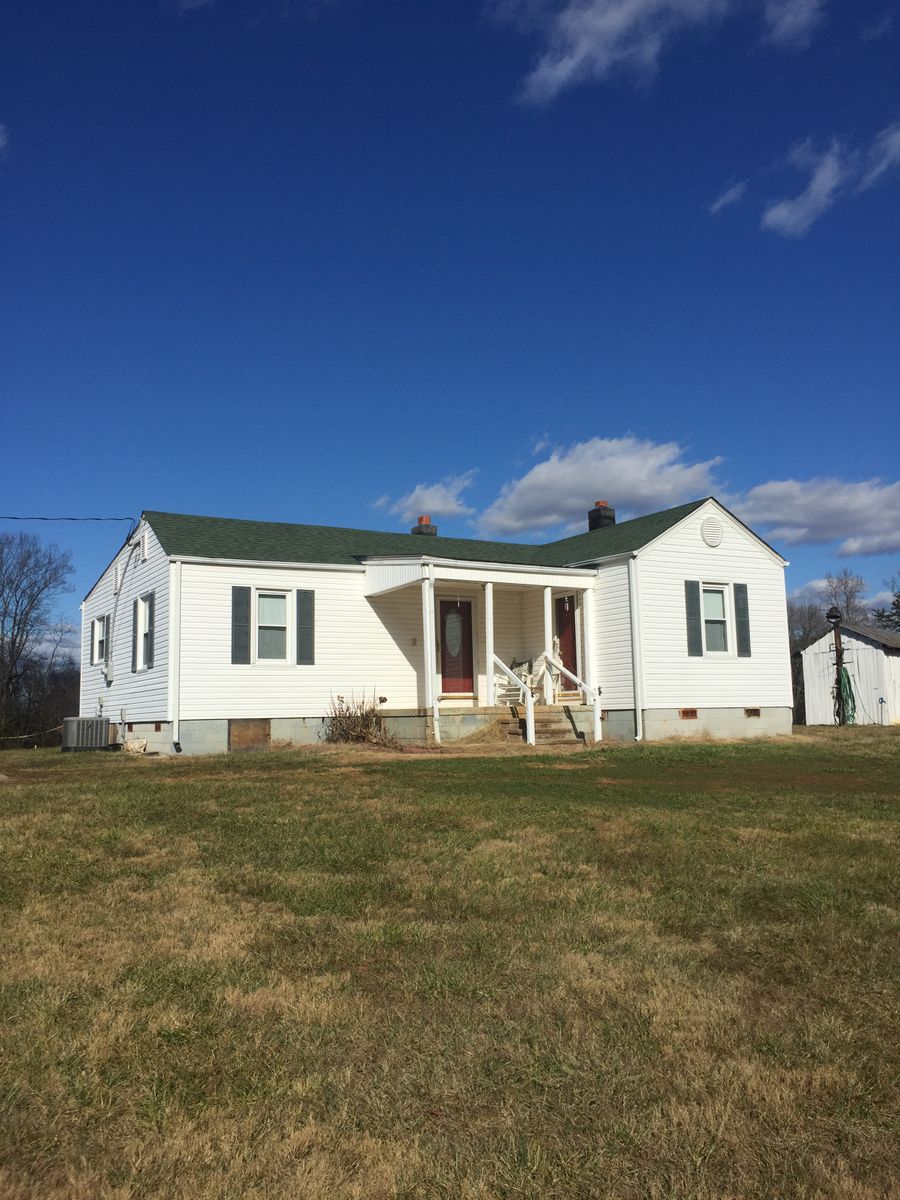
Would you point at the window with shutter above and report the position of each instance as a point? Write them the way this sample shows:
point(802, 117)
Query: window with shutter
point(306, 628)
point(240, 625)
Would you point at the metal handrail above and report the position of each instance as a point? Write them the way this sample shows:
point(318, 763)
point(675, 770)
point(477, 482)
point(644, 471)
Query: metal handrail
point(591, 695)
point(527, 698)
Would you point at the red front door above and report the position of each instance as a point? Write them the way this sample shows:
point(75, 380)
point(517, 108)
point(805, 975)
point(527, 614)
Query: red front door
point(565, 631)
point(456, 646)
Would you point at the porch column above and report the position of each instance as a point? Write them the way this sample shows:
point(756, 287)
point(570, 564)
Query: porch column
point(489, 643)
point(548, 644)
point(591, 677)
point(428, 652)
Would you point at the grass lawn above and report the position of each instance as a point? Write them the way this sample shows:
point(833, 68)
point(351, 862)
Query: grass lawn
point(651, 971)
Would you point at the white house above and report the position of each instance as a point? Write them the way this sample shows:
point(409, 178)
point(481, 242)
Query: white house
point(205, 633)
point(872, 661)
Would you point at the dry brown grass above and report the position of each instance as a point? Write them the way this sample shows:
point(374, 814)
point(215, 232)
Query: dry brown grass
point(670, 972)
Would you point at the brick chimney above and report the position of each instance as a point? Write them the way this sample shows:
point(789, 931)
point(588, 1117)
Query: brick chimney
point(601, 515)
point(424, 525)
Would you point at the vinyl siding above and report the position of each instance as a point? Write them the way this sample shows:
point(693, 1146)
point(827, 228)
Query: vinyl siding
point(144, 694)
point(612, 636)
point(362, 647)
point(673, 679)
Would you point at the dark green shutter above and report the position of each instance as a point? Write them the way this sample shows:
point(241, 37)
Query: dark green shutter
point(240, 624)
point(134, 635)
point(742, 620)
point(106, 639)
point(694, 618)
point(306, 629)
point(151, 628)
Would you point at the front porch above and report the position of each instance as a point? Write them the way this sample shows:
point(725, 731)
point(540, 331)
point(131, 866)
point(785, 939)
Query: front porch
point(496, 637)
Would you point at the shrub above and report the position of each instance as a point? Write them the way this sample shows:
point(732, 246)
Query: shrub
point(357, 721)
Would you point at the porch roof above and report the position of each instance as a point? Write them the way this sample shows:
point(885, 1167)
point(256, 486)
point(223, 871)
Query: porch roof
point(390, 574)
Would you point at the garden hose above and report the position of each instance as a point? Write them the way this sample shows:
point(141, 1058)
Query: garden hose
point(847, 698)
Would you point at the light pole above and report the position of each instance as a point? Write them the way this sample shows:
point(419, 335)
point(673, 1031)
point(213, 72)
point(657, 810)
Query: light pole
point(834, 618)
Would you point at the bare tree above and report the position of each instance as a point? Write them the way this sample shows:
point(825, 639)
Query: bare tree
point(32, 577)
point(845, 591)
point(806, 622)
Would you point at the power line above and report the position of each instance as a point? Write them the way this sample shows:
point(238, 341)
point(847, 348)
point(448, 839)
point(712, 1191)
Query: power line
point(68, 519)
point(131, 521)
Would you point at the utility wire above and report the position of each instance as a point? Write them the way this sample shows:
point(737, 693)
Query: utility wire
point(18, 737)
point(131, 519)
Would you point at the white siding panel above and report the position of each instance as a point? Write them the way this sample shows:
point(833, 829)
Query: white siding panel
point(362, 646)
point(144, 694)
point(892, 689)
point(533, 606)
point(509, 624)
point(673, 679)
point(384, 577)
point(612, 636)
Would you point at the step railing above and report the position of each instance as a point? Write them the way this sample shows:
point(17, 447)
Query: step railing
point(591, 695)
point(525, 693)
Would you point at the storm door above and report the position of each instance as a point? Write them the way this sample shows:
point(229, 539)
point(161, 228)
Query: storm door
point(456, 646)
point(568, 646)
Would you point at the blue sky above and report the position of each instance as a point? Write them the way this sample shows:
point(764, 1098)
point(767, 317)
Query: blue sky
point(345, 262)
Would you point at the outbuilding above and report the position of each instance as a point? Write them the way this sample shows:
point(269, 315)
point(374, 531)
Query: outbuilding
point(871, 658)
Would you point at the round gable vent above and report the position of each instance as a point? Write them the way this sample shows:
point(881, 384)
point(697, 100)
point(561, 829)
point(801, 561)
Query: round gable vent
point(712, 531)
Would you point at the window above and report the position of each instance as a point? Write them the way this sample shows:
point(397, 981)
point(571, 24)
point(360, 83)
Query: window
point(143, 632)
point(99, 640)
point(271, 626)
point(715, 623)
point(717, 618)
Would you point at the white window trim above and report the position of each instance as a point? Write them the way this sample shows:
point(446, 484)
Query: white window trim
point(142, 610)
point(98, 631)
point(727, 591)
point(290, 649)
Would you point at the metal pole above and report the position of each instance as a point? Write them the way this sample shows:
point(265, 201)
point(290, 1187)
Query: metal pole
point(838, 668)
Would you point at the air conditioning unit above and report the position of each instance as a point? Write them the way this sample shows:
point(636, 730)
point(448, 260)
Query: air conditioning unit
point(85, 733)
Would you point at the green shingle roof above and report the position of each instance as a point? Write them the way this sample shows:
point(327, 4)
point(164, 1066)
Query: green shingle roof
point(183, 536)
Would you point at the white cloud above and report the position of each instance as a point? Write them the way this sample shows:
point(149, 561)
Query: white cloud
point(810, 592)
point(585, 40)
point(880, 600)
point(381, 502)
point(442, 499)
point(593, 39)
point(883, 156)
point(830, 172)
point(635, 475)
point(863, 517)
point(731, 195)
point(639, 476)
point(790, 23)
